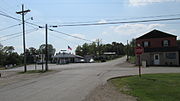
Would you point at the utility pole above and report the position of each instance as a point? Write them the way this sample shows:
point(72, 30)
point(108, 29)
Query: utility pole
point(46, 30)
point(23, 12)
point(99, 50)
point(127, 52)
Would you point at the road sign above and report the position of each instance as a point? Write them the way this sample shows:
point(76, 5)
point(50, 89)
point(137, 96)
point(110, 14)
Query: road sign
point(139, 50)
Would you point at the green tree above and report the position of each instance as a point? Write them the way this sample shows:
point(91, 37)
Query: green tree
point(178, 42)
point(1, 55)
point(50, 48)
point(97, 50)
point(131, 47)
point(79, 51)
point(85, 49)
point(9, 56)
point(8, 49)
point(93, 49)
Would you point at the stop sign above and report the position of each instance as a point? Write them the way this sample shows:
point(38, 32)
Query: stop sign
point(139, 50)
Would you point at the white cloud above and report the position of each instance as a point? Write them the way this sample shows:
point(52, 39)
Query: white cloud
point(102, 21)
point(145, 2)
point(178, 37)
point(133, 29)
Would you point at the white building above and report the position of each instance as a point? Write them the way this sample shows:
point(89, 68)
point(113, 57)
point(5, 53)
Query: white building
point(64, 58)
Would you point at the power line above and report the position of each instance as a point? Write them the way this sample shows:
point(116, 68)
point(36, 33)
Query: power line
point(55, 36)
point(9, 27)
point(91, 24)
point(144, 17)
point(5, 15)
point(70, 35)
point(3, 12)
point(118, 22)
point(100, 2)
point(18, 35)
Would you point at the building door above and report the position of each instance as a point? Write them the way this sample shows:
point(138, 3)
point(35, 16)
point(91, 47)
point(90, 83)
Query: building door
point(156, 59)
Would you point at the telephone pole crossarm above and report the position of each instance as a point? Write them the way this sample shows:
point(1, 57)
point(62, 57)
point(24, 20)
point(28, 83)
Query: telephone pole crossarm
point(25, 11)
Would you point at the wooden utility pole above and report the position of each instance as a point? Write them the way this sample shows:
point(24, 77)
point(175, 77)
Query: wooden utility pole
point(42, 56)
point(127, 51)
point(99, 50)
point(139, 60)
point(46, 29)
point(23, 12)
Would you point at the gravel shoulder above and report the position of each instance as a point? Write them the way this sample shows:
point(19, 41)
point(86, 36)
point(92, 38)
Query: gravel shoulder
point(108, 92)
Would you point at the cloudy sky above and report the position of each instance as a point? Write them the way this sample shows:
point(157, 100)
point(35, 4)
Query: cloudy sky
point(59, 12)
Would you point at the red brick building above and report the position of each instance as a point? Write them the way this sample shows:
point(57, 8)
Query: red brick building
point(160, 48)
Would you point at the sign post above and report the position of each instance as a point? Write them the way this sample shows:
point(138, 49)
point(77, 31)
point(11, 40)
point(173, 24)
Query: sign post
point(138, 51)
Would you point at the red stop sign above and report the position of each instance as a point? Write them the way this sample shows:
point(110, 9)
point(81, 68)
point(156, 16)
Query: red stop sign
point(139, 50)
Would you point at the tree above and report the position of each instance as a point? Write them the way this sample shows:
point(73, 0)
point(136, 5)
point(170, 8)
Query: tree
point(79, 50)
point(8, 56)
point(13, 58)
point(8, 49)
point(1, 46)
point(97, 50)
point(93, 49)
point(85, 49)
point(1, 55)
point(131, 47)
point(178, 42)
point(51, 50)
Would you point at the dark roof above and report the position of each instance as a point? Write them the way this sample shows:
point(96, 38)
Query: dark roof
point(155, 34)
point(66, 55)
point(163, 49)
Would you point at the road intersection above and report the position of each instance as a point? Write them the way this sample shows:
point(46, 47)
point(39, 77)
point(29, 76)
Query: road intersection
point(72, 82)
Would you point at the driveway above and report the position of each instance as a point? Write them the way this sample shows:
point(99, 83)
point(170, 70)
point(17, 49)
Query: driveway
point(72, 82)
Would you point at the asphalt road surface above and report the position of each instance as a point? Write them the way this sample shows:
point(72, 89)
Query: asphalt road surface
point(72, 83)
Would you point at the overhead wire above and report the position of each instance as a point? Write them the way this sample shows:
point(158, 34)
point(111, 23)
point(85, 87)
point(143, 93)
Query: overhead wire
point(9, 27)
point(62, 38)
point(6, 15)
point(70, 35)
point(19, 35)
point(118, 22)
point(100, 2)
point(92, 24)
point(131, 18)
point(43, 27)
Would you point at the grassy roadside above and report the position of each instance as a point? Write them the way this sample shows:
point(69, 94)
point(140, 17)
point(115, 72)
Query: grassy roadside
point(151, 87)
point(132, 59)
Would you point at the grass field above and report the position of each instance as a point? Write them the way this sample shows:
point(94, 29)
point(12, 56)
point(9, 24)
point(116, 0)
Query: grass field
point(151, 87)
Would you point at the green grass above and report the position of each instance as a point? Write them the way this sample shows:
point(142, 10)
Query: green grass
point(33, 71)
point(151, 87)
point(132, 59)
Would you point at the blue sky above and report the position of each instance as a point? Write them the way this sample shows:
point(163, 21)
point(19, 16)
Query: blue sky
point(57, 12)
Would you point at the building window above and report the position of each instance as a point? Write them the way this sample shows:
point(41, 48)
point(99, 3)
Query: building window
point(166, 43)
point(171, 55)
point(146, 44)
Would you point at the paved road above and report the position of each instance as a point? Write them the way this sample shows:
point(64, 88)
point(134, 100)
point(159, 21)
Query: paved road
point(73, 83)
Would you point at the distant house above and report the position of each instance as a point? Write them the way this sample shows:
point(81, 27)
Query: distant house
point(160, 48)
point(64, 58)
